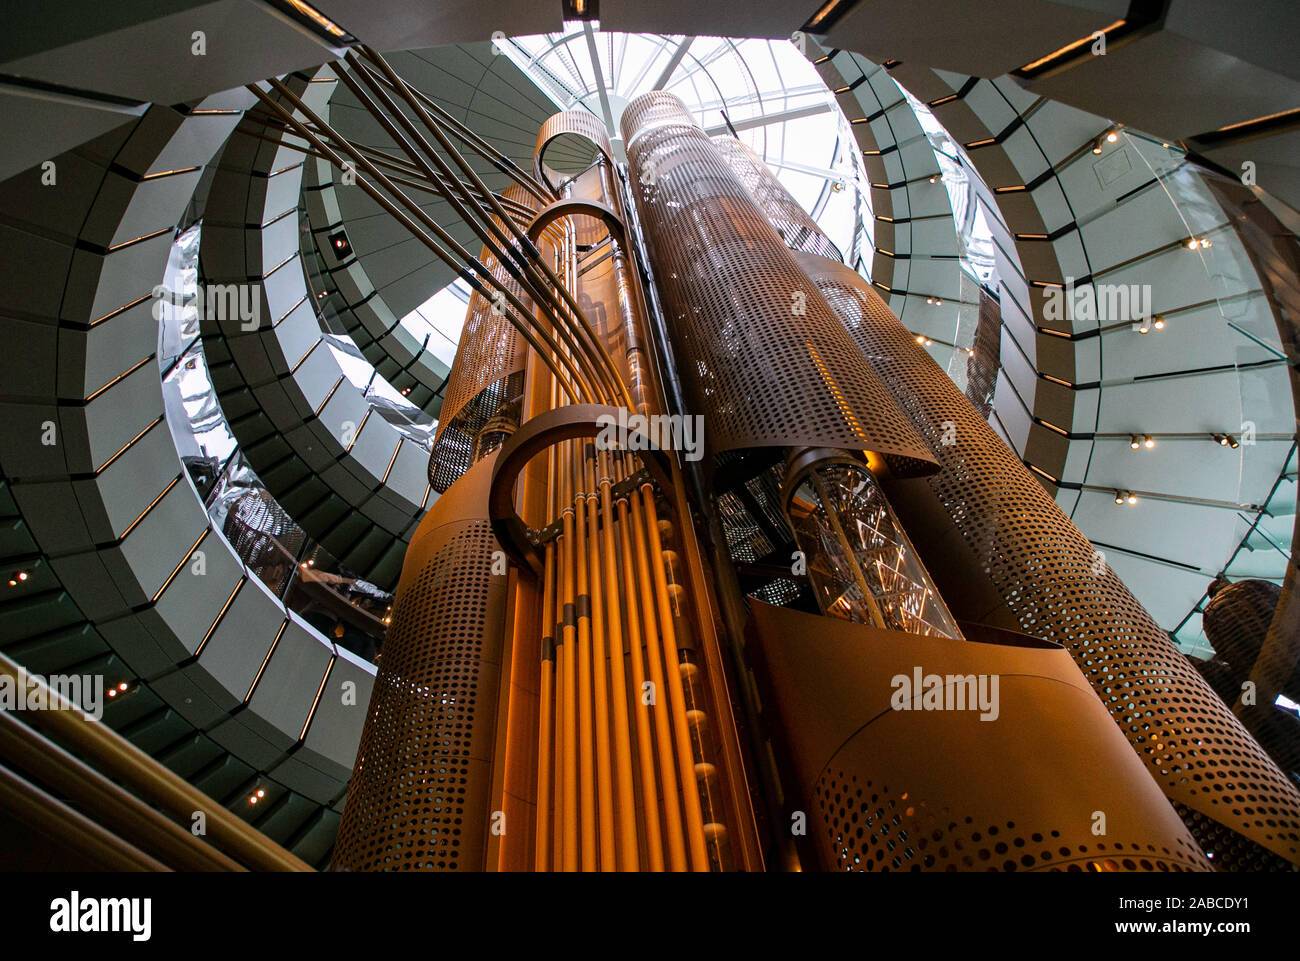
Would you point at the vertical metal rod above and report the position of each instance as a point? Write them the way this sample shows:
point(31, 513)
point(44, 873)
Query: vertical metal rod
point(677, 697)
point(644, 731)
point(625, 801)
point(600, 669)
point(661, 706)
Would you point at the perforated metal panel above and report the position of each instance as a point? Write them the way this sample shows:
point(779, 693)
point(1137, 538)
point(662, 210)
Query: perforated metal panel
point(791, 221)
point(872, 826)
point(1044, 573)
point(1002, 786)
point(762, 356)
point(418, 797)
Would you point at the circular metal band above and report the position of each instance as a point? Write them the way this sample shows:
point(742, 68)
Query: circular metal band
point(543, 431)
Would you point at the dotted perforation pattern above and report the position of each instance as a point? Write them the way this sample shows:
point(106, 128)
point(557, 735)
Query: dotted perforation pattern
point(762, 356)
point(798, 230)
point(419, 792)
point(870, 827)
point(1053, 581)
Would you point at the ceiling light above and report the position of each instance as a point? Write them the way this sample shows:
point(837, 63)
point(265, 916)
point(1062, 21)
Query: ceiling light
point(1232, 442)
point(1135, 442)
point(1221, 438)
point(938, 301)
point(1193, 243)
point(1132, 498)
point(1159, 322)
point(1119, 497)
point(1112, 137)
point(1145, 328)
point(1149, 442)
point(929, 300)
point(935, 178)
point(1096, 145)
point(970, 352)
point(920, 339)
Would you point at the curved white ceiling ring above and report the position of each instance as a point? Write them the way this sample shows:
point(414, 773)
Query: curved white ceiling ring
point(213, 657)
point(349, 478)
point(1069, 404)
point(915, 258)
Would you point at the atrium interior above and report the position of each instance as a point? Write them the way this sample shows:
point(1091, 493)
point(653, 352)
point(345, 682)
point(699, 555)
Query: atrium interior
point(857, 435)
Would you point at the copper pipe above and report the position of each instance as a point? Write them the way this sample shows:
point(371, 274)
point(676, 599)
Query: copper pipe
point(677, 698)
point(586, 747)
point(644, 732)
point(600, 360)
point(418, 214)
point(625, 798)
point(664, 739)
point(569, 661)
point(600, 670)
point(514, 260)
point(542, 850)
point(466, 135)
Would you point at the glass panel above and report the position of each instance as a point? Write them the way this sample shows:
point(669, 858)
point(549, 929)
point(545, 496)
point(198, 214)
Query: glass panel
point(862, 566)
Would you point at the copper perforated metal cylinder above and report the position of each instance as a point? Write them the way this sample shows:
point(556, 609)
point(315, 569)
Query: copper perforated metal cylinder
point(921, 753)
point(798, 230)
point(1002, 551)
point(419, 795)
point(762, 356)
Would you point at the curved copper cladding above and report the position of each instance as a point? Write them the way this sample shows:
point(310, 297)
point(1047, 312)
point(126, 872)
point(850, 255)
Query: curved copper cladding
point(1002, 550)
point(542, 432)
point(763, 357)
point(419, 795)
point(915, 752)
point(579, 123)
point(791, 221)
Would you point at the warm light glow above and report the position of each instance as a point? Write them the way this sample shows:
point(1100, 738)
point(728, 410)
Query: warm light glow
point(1112, 137)
point(1134, 442)
point(1149, 442)
point(1132, 498)
point(1069, 48)
point(317, 17)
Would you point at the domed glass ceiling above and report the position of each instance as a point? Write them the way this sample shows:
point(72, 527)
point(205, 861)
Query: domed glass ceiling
point(763, 91)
